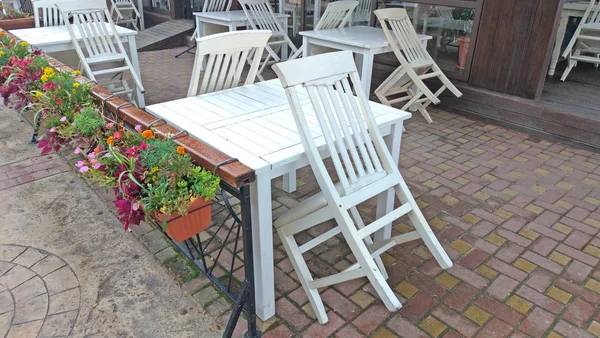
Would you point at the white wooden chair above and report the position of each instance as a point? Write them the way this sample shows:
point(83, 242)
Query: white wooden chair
point(337, 15)
point(227, 54)
point(405, 84)
point(46, 13)
point(347, 123)
point(125, 12)
point(261, 16)
point(362, 13)
point(213, 6)
point(585, 44)
point(104, 59)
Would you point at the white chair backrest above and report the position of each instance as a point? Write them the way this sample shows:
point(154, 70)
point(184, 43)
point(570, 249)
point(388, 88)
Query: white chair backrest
point(93, 22)
point(337, 14)
point(227, 54)
point(261, 15)
point(592, 13)
point(444, 12)
point(346, 120)
point(362, 13)
point(46, 13)
point(216, 5)
point(401, 34)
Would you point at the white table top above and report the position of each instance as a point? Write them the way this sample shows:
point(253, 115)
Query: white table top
point(253, 123)
point(47, 36)
point(358, 36)
point(230, 16)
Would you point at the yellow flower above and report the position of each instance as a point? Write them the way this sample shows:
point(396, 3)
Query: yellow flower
point(155, 169)
point(74, 91)
point(1, 53)
point(24, 44)
point(110, 141)
point(163, 209)
point(192, 199)
point(49, 71)
point(76, 85)
point(77, 72)
point(38, 94)
point(44, 78)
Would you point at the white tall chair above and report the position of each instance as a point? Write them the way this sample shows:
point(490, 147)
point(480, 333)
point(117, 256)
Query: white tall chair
point(104, 59)
point(585, 44)
point(125, 12)
point(46, 13)
point(405, 84)
point(347, 123)
point(261, 16)
point(362, 13)
point(337, 15)
point(227, 54)
point(213, 6)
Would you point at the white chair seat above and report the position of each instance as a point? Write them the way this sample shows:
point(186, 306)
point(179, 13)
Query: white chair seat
point(104, 58)
point(305, 208)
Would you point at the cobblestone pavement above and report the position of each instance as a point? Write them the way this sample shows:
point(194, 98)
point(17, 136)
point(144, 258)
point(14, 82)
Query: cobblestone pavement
point(517, 214)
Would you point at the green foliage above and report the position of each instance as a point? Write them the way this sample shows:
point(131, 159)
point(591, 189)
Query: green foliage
point(88, 121)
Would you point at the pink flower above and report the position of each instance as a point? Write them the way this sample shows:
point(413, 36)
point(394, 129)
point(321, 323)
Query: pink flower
point(93, 161)
point(84, 169)
point(91, 155)
point(109, 125)
point(48, 85)
point(77, 151)
point(138, 128)
point(117, 135)
point(52, 130)
point(64, 119)
point(135, 206)
point(97, 166)
point(80, 164)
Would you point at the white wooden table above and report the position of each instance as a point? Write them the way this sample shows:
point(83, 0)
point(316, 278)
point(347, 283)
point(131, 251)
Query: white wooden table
point(364, 41)
point(57, 39)
point(208, 23)
point(255, 125)
point(570, 9)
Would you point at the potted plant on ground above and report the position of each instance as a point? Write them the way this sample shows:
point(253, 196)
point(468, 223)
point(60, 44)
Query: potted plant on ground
point(11, 18)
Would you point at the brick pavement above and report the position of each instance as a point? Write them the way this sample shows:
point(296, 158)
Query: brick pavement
point(517, 214)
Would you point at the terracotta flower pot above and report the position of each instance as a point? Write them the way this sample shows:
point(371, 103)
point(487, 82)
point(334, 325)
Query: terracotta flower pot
point(463, 51)
point(17, 23)
point(180, 228)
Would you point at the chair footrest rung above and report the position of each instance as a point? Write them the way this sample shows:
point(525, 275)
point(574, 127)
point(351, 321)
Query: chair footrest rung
point(429, 75)
point(383, 221)
point(338, 278)
point(319, 239)
point(380, 247)
point(589, 37)
point(111, 70)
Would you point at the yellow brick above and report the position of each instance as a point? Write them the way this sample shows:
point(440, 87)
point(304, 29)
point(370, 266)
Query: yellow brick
point(562, 228)
point(554, 335)
point(438, 223)
point(559, 258)
point(471, 218)
point(519, 304)
point(565, 185)
point(563, 204)
point(501, 148)
point(559, 295)
point(477, 315)
point(443, 166)
point(546, 143)
point(590, 181)
point(307, 308)
point(481, 196)
point(495, 239)
point(486, 272)
point(432, 326)
point(428, 156)
point(489, 177)
point(566, 153)
point(593, 285)
point(495, 162)
point(592, 250)
point(510, 192)
point(403, 228)
point(484, 138)
point(462, 140)
point(520, 159)
point(453, 153)
point(450, 200)
point(406, 289)
point(525, 265)
point(461, 181)
point(414, 144)
point(362, 298)
point(383, 333)
point(448, 131)
point(589, 165)
point(594, 328)
point(592, 222)
point(541, 171)
point(532, 235)
point(416, 170)
point(543, 156)
point(538, 189)
point(534, 208)
point(422, 204)
point(592, 200)
point(388, 260)
point(447, 280)
point(524, 146)
point(423, 252)
point(471, 164)
point(431, 184)
point(515, 174)
point(503, 213)
point(478, 150)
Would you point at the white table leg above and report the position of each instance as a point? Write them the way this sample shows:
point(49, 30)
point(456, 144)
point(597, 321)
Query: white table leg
point(141, 10)
point(285, 48)
point(317, 13)
point(560, 37)
point(367, 70)
point(385, 200)
point(306, 49)
point(289, 181)
point(262, 237)
point(133, 56)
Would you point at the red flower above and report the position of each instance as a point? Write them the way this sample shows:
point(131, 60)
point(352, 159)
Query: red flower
point(117, 135)
point(59, 102)
point(48, 85)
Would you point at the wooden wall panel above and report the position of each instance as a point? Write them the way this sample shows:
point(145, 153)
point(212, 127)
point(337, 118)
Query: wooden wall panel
point(513, 45)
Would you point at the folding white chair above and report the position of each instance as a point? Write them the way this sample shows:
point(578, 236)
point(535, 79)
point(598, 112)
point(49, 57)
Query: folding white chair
point(337, 15)
point(405, 84)
point(125, 12)
point(346, 123)
point(46, 14)
point(261, 16)
point(104, 59)
point(585, 41)
point(362, 13)
point(213, 6)
point(227, 54)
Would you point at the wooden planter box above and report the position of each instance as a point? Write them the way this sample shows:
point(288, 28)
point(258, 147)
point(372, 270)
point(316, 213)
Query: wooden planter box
point(198, 218)
point(17, 23)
